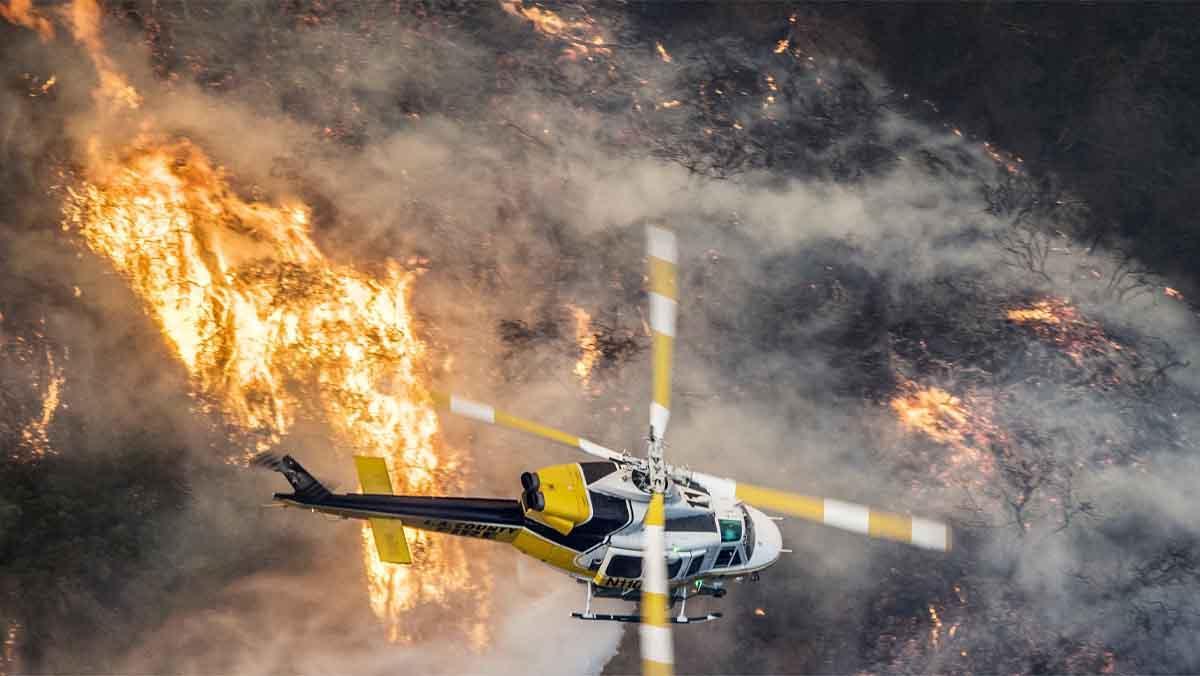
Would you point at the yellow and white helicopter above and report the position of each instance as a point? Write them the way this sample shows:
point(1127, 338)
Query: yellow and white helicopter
point(631, 528)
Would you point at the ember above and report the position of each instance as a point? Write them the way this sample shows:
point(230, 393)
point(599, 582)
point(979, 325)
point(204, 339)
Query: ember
point(662, 52)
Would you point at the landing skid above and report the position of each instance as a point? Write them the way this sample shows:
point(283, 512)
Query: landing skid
point(606, 617)
point(680, 595)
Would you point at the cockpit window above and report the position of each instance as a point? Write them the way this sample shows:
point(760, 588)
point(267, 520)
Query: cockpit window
point(749, 535)
point(631, 567)
point(673, 568)
point(696, 523)
point(731, 530)
point(724, 557)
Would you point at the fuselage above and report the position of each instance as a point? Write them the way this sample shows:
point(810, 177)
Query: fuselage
point(590, 524)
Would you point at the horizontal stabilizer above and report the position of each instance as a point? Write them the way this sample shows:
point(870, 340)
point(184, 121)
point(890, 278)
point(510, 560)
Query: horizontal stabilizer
point(390, 540)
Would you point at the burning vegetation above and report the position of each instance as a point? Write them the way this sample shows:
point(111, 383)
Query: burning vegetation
point(963, 427)
point(272, 331)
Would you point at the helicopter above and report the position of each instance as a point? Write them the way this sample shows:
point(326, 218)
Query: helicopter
point(629, 528)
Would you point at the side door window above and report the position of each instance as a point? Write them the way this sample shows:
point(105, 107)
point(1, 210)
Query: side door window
point(624, 565)
point(696, 564)
point(725, 557)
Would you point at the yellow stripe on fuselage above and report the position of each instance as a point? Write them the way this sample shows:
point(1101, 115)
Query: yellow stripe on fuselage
point(542, 549)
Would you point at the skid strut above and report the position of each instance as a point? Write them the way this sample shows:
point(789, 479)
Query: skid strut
point(608, 617)
point(587, 613)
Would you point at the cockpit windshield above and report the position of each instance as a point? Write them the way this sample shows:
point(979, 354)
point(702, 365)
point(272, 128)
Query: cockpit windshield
point(731, 530)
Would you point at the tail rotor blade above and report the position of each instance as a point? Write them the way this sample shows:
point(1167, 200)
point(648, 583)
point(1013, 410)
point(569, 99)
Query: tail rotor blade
point(663, 261)
point(658, 656)
point(488, 414)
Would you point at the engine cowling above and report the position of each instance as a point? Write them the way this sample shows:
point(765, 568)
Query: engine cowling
point(556, 496)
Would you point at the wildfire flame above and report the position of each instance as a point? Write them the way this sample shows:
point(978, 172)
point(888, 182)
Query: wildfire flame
point(273, 331)
point(8, 654)
point(22, 13)
point(268, 328)
point(935, 629)
point(1042, 312)
point(35, 433)
point(114, 91)
point(662, 52)
point(949, 420)
point(589, 352)
point(584, 36)
point(1056, 321)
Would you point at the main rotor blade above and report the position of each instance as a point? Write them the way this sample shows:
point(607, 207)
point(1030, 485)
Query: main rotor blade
point(662, 259)
point(847, 516)
point(483, 412)
point(658, 657)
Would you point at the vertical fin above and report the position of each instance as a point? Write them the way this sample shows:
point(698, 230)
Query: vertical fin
point(390, 541)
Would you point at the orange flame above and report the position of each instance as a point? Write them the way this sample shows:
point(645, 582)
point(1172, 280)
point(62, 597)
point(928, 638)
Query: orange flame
point(949, 420)
point(934, 411)
point(1042, 311)
point(935, 629)
point(266, 325)
point(1055, 320)
point(83, 18)
point(662, 52)
point(35, 433)
point(583, 35)
point(589, 352)
point(8, 654)
point(22, 13)
point(273, 331)
point(114, 91)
